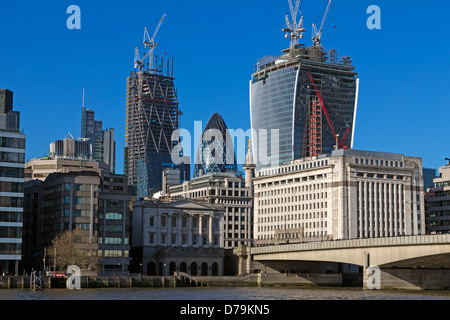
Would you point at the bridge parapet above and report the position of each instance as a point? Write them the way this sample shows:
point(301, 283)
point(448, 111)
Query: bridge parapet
point(354, 243)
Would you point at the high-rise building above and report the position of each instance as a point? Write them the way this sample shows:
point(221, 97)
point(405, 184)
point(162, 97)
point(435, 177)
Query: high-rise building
point(71, 148)
point(153, 114)
point(6, 101)
point(302, 103)
point(12, 152)
point(101, 140)
point(215, 150)
point(428, 178)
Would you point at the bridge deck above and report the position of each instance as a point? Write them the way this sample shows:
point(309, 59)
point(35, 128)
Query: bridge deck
point(356, 243)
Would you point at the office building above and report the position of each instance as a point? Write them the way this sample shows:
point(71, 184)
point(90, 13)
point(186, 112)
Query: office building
point(71, 148)
point(68, 195)
point(177, 236)
point(233, 193)
point(152, 115)
point(428, 178)
point(12, 153)
point(216, 149)
point(41, 168)
point(302, 103)
point(229, 191)
point(103, 145)
point(349, 194)
point(437, 202)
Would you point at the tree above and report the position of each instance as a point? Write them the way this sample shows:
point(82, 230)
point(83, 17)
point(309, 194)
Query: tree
point(74, 248)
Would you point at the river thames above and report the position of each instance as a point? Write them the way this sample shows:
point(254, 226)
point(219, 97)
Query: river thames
point(220, 302)
point(222, 293)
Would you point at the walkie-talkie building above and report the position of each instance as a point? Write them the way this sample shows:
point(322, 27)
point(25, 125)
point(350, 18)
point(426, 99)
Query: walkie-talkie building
point(302, 103)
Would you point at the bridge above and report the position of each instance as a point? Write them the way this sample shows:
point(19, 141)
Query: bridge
point(409, 262)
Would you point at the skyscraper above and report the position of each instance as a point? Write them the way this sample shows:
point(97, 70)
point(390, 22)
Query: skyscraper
point(12, 151)
point(102, 141)
point(71, 148)
point(152, 116)
point(215, 151)
point(302, 103)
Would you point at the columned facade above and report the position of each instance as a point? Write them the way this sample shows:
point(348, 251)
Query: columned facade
point(178, 236)
point(349, 194)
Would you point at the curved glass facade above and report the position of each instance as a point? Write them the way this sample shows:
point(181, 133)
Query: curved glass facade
point(271, 108)
point(215, 151)
point(284, 98)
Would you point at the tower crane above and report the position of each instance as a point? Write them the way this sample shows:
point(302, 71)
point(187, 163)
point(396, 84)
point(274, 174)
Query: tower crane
point(148, 43)
point(317, 34)
point(340, 144)
point(294, 30)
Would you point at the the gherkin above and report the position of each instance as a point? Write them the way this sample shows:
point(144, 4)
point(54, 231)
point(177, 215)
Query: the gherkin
point(216, 149)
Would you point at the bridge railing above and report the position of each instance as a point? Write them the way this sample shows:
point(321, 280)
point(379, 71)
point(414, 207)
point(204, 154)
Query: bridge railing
point(367, 242)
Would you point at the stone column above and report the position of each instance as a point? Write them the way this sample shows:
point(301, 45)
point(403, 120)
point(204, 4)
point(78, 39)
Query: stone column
point(158, 229)
point(200, 230)
point(395, 215)
point(370, 210)
point(210, 230)
point(190, 231)
point(169, 229)
point(180, 230)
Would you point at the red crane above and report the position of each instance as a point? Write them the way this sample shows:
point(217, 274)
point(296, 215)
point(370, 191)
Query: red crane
point(339, 143)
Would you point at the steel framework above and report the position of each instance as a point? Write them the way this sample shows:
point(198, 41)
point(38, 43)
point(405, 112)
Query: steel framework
point(152, 116)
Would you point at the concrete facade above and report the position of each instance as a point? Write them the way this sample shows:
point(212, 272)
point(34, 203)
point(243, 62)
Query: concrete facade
point(41, 168)
point(178, 236)
point(89, 198)
point(229, 191)
point(349, 194)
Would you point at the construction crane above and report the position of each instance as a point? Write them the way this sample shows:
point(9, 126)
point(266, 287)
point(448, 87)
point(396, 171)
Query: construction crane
point(339, 143)
point(317, 34)
point(294, 30)
point(148, 43)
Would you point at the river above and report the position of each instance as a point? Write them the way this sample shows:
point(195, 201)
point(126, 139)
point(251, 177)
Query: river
point(219, 302)
point(221, 293)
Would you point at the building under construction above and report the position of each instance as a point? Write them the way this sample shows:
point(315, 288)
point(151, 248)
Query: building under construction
point(307, 94)
point(152, 116)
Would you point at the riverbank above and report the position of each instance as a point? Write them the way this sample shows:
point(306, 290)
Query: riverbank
point(179, 280)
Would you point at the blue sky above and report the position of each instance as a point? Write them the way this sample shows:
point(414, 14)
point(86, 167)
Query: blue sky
point(404, 67)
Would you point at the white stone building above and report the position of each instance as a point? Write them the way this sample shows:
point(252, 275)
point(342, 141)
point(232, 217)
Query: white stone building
point(178, 236)
point(228, 191)
point(349, 194)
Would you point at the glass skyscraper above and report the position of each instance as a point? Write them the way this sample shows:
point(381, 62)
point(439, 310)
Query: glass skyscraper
point(215, 151)
point(301, 105)
point(103, 145)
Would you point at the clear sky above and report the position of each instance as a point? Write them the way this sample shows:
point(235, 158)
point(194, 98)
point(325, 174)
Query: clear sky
point(404, 67)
